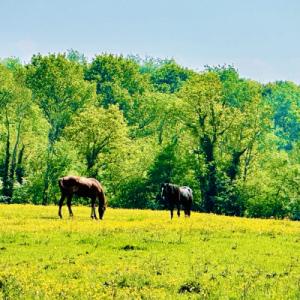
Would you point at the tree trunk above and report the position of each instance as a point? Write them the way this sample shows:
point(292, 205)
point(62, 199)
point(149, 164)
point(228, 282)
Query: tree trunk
point(233, 169)
point(208, 183)
point(51, 140)
point(20, 168)
point(5, 178)
point(45, 197)
point(13, 163)
point(247, 163)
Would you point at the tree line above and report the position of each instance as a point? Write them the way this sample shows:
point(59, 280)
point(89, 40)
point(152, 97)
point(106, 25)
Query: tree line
point(135, 123)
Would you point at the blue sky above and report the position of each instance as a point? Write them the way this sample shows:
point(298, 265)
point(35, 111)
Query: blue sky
point(260, 38)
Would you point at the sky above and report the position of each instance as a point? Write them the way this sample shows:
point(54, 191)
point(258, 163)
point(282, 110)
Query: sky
point(261, 38)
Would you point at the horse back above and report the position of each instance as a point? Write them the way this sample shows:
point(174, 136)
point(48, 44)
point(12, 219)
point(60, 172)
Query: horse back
point(81, 186)
point(186, 195)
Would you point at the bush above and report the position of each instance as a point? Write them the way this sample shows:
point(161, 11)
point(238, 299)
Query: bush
point(262, 206)
point(136, 193)
point(294, 209)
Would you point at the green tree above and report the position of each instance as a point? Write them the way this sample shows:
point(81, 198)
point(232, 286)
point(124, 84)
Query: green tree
point(157, 115)
point(284, 97)
point(101, 138)
point(202, 116)
point(225, 116)
point(76, 56)
point(169, 77)
point(97, 131)
point(118, 80)
point(6, 96)
point(17, 110)
point(59, 89)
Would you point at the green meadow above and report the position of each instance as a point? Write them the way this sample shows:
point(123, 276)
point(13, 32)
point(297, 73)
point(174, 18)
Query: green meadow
point(142, 254)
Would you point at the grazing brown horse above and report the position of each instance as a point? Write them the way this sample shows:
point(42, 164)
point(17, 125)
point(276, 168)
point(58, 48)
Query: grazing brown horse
point(82, 187)
point(176, 195)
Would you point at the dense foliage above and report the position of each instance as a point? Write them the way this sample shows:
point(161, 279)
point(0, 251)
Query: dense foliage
point(135, 123)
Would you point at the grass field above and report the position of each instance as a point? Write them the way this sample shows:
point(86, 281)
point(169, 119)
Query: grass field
point(141, 254)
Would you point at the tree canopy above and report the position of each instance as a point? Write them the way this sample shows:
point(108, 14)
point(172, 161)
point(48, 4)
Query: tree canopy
point(135, 123)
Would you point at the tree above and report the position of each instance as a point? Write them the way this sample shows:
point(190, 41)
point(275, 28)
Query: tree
point(117, 79)
point(100, 137)
point(76, 56)
point(17, 108)
point(225, 116)
point(157, 115)
point(97, 131)
point(169, 77)
point(283, 97)
point(6, 96)
point(61, 92)
point(202, 116)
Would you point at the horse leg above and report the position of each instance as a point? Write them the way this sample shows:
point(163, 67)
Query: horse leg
point(189, 206)
point(178, 201)
point(93, 212)
point(69, 200)
point(171, 211)
point(92, 208)
point(178, 210)
point(189, 211)
point(185, 209)
point(60, 204)
point(186, 212)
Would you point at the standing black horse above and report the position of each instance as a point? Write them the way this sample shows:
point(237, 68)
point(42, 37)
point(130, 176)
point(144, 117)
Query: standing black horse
point(176, 195)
